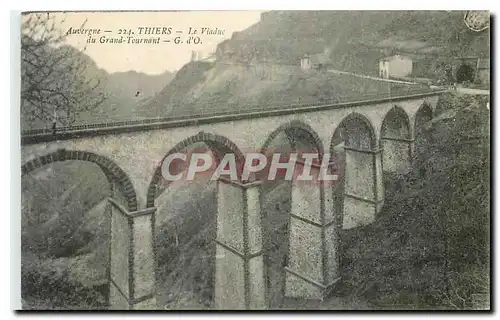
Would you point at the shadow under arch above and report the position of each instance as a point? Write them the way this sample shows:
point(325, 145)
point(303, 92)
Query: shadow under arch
point(423, 115)
point(219, 145)
point(396, 124)
point(465, 72)
point(296, 129)
point(112, 171)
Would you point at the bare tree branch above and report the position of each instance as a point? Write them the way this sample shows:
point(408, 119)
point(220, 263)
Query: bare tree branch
point(57, 81)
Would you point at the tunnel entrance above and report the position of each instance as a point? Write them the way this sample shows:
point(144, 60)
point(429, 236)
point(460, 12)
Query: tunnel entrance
point(465, 73)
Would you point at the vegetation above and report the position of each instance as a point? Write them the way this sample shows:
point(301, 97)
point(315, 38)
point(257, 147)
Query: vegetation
point(259, 67)
point(63, 84)
point(430, 246)
point(53, 86)
point(204, 88)
point(185, 246)
point(64, 237)
point(355, 39)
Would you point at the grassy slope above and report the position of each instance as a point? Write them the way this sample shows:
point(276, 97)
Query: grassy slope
point(355, 38)
point(352, 41)
point(127, 94)
point(204, 88)
point(186, 251)
point(64, 239)
point(429, 247)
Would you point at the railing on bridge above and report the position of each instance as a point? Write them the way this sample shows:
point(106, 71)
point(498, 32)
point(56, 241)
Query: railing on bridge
point(247, 110)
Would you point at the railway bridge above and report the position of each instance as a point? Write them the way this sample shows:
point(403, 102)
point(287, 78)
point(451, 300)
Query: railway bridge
point(371, 135)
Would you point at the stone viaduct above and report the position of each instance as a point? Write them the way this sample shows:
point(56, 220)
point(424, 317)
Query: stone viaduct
point(374, 136)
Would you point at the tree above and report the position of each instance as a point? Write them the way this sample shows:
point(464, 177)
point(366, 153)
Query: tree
point(56, 81)
point(444, 72)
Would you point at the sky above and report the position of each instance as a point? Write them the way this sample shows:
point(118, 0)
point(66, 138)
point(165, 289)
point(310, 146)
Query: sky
point(151, 58)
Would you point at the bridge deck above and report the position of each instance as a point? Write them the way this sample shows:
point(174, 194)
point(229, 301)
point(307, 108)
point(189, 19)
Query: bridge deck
point(79, 131)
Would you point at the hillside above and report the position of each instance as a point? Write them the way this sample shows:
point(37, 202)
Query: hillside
point(429, 247)
point(260, 66)
point(126, 92)
point(349, 38)
point(205, 88)
point(64, 240)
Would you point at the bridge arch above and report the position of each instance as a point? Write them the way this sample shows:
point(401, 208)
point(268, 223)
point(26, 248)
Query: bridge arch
point(217, 144)
point(358, 195)
point(283, 203)
point(396, 140)
point(293, 130)
point(423, 115)
point(396, 124)
point(113, 172)
point(355, 131)
point(121, 208)
point(214, 207)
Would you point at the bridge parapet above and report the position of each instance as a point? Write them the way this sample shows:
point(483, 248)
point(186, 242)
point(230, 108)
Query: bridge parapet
point(69, 132)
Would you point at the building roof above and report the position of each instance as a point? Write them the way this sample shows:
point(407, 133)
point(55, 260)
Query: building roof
point(396, 56)
point(317, 58)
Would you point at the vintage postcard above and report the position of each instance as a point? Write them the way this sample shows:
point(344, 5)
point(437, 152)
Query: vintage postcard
point(243, 160)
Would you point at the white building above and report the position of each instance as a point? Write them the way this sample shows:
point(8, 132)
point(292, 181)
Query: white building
point(317, 61)
point(196, 55)
point(396, 66)
point(305, 63)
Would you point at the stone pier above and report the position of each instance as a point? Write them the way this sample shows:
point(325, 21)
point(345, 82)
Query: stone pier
point(239, 264)
point(313, 266)
point(132, 267)
point(364, 189)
